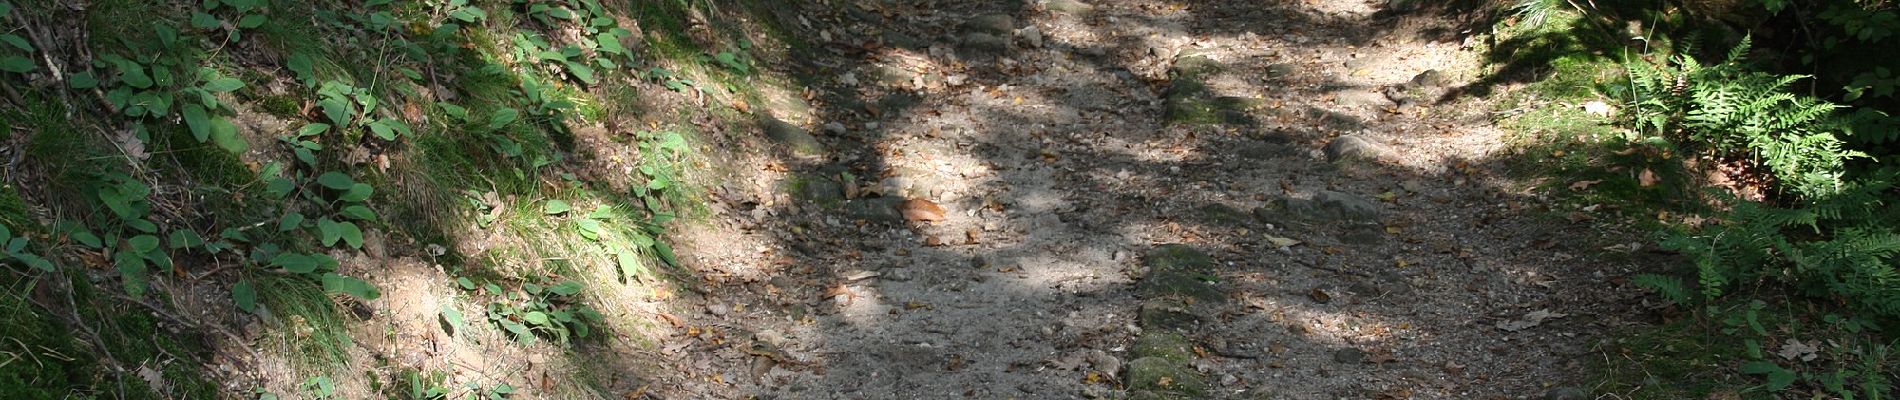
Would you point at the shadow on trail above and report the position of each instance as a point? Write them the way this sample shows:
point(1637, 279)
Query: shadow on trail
point(1073, 182)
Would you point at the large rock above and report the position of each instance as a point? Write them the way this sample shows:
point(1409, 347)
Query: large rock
point(1194, 66)
point(1182, 285)
point(1166, 345)
point(1168, 314)
point(793, 138)
point(1326, 207)
point(1351, 147)
point(812, 189)
point(1163, 376)
point(1178, 257)
point(1362, 98)
point(1068, 7)
point(1222, 214)
point(994, 24)
point(982, 44)
point(1431, 78)
point(881, 210)
point(1179, 272)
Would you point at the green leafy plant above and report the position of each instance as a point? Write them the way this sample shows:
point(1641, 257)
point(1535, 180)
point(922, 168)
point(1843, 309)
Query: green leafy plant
point(536, 310)
point(320, 387)
point(347, 107)
point(1835, 246)
point(1739, 113)
point(15, 249)
point(16, 58)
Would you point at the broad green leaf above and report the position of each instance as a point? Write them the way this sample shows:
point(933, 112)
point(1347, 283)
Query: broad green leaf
point(245, 295)
point(502, 118)
point(142, 225)
point(280, 187)
point(223, 84)
point(357, 193)
point(313, 129)
point(295, 263)
point(453, 317)
point(17, 42)
point(252, 21)
point(82, 80)
point(535, 317)
point(568, 288)
point(204, 21)
point(339, 284)
point(581, 71)
point(468, 14)
point(16, 64)
point(87, 239)
point(132, 270)
point(329, 232)
point(300, 64)
point(630, 266)
point(339, 111)
point(359, 213)
point(389, 129)
point(589, 228)
point(521, 332)
point(134, 75)
point(336, 180)
point(555, 207)
point(290, 221)
point(1778, 378)
point(610, 43)
point(665, 253)
point(5, 233)
point(351, 234)
point(465, 283)
point(225, 135)
point(185, 238)
point(604, 212)
point(35, 261)
point(142, 244)
point(196, 120)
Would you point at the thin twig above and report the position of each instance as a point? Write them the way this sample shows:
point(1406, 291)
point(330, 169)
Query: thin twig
point(233, 337)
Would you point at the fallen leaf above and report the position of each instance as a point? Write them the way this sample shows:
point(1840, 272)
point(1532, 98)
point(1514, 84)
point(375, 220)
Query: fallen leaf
point(673, 320)
point(1282, 242)
point(1532, 319)
point(1598, 108)
point(921, 210)
point(154, 379)
point(1647, 178)
point(1319, 296)
point(1583, 185)
point(1388, 196)
point(1796, 350)
point(131, 145)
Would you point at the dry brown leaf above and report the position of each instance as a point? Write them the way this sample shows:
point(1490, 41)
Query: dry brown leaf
point(921, 210)
point(1583, 185)
point(1648, 178)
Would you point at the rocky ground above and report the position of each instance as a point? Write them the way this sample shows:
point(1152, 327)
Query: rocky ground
point(1137, 199)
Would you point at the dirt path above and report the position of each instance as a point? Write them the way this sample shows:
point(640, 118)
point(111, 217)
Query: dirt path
point(1345, 235)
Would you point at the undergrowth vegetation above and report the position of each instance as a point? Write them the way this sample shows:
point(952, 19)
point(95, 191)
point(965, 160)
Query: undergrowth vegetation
point(277, 154)
point(1762, 166)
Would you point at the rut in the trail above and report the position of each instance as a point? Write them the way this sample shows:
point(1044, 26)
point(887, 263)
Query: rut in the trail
point(1142, 199)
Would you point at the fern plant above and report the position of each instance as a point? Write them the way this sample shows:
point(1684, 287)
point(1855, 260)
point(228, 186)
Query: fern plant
point(1738, 113)
point(1844, 246)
